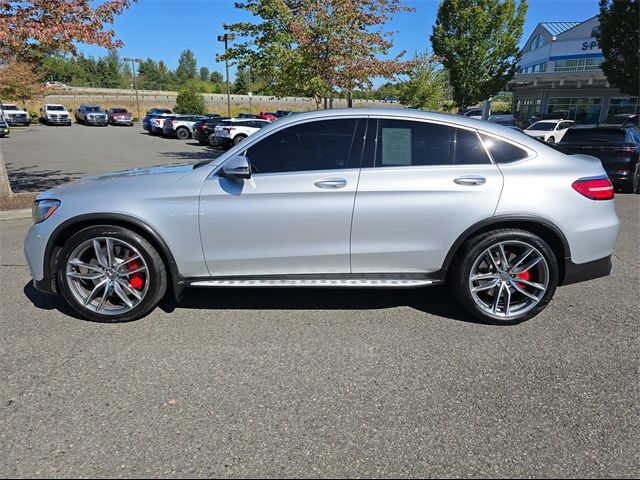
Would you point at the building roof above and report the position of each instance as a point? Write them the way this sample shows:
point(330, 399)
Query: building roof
point(556, 28)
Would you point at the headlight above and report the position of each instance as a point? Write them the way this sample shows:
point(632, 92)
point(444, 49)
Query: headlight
point(42, 209)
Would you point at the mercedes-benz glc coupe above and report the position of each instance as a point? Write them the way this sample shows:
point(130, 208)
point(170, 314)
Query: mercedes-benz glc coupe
point(341, 198)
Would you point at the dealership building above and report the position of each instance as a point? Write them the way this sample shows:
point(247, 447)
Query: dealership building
point(559, 74)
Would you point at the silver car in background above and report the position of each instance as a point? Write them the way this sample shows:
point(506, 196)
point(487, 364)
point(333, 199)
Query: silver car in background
point(339, 198)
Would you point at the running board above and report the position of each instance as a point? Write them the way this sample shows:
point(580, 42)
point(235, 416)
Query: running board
point(291, 282)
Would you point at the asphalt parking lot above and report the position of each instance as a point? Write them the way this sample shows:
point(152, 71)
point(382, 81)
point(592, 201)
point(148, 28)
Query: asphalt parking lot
point(40, 156)
point(329, 383)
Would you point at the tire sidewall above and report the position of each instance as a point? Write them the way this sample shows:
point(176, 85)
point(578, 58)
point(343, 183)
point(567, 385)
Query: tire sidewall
point(463, 273)
point(156, 272)
point(238, 138)
point(182, 133)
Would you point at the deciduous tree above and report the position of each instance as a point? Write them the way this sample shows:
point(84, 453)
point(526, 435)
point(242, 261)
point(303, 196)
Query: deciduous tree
point(477, 41)
point(618, 38)
point(427, 86)
point(312, 47)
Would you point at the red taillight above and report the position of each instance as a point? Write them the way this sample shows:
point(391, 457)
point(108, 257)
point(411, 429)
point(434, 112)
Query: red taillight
point(596, 188)
point(228, 129)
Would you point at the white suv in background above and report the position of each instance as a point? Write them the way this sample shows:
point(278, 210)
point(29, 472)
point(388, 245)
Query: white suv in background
point(230, 132)
point(13, 115)
point(550, 131)
point(55, 114)
point(181, 126)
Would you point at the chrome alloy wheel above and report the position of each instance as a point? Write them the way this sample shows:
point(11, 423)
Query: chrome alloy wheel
point(508, 279)
point(107, 276)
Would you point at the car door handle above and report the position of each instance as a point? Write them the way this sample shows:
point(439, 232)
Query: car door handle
point(470, 180)
point(331, 183)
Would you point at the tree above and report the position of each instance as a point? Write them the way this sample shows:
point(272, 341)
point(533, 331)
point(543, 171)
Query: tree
point(426, 87)
point(216, 77)
point(312, 47)
point(241, 85)
point(618, 38)
point(190, 101)
point(187, 67)
point(204, 74)
point(30, 27)
point(477, 41)
point(19, 82)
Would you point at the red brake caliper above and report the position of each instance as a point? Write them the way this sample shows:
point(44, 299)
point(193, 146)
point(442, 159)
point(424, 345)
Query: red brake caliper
point(525, 276)
point(135, 280)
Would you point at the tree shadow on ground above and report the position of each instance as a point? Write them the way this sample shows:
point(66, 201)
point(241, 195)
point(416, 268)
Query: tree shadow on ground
point(37, 179)
point(433, 301)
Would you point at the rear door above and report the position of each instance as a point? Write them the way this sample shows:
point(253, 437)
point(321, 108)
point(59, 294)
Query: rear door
point(421, 186)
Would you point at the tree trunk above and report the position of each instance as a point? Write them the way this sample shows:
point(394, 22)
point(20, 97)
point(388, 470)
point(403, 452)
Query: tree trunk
point(350, 99)
point(5, 186)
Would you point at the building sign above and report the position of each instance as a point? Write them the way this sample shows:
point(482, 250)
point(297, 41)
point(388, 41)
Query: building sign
point(590, 45)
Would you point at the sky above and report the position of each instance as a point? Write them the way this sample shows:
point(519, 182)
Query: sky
point(161, 29)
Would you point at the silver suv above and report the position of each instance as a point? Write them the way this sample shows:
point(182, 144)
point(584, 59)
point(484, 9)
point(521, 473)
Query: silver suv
point(340, 198)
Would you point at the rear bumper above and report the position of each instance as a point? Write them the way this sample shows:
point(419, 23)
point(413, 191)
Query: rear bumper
point(581, 272)
point(222, 141)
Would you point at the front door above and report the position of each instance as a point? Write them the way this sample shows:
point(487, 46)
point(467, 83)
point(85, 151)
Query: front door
point(294, 215)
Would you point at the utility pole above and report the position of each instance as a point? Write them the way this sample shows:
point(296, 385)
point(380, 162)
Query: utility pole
point(249, 90)
point(226, 38)
point(135, 81)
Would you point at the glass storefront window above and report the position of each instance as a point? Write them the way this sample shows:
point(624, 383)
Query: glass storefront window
point(527, 108)
point(623, 105)
point(578, 64)
point(581, 110)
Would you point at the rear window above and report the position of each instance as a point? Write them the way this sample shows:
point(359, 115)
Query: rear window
point(503, 152)
point(546, 126)
point(594, 135)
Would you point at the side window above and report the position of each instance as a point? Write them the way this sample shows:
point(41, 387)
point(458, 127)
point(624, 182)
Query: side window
point(410, 143)
point(467, 149)
point(503, 152)
point(320, 145)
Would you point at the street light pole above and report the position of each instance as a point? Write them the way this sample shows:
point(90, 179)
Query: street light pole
point(135, 82)
point(250, 92)
point(226, 38)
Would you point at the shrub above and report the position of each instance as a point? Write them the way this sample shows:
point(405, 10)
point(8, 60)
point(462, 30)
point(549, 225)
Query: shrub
point(190, 101)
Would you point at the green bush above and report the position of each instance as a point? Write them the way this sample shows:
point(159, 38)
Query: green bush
point(190, 101)
point(34, 116)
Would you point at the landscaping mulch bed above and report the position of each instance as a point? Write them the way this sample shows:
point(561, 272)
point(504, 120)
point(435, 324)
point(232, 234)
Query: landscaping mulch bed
point(17, 201)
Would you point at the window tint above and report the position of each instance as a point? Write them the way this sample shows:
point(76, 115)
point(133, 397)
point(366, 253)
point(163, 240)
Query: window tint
point(321, 145)
point(591, 135)
point(503, 152)
point(410, 143)
point(467, 149)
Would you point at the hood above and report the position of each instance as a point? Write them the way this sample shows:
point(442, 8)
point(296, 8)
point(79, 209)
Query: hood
point(128, 181)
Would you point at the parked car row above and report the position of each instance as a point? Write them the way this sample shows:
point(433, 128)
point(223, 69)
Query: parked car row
point(213, 129)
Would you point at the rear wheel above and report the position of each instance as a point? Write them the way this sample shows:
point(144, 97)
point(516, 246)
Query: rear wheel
point(182, 133)
point(551, 140)
point(505, 277)
point(211, 140)
point(111, 274)
point(238, 138)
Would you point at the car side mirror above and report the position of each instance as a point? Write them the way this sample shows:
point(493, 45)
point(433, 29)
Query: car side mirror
point(237, 167)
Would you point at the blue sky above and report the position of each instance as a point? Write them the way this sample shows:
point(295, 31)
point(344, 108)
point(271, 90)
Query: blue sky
point(161, 29)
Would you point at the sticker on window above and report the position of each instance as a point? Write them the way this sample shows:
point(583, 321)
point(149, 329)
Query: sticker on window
point(396, 146)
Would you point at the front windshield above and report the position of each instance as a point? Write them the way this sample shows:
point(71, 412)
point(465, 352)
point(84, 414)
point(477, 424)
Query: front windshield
point(92, 109)
point(10, 107)
point(55, 108)
point(119, 110)
point(545, 126)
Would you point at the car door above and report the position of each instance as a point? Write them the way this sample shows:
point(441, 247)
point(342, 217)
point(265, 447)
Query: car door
point(421, 186)
point(294, 215)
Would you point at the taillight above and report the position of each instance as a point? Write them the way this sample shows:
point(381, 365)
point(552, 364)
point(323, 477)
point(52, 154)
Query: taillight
point(625, 149)
point(228, 129)
point(595, 188)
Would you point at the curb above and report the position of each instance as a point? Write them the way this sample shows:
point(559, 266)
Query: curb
point(15, 214)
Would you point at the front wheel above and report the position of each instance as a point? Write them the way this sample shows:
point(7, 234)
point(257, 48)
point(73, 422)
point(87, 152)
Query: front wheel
point(551, 140)
point(111, 274)
point(505, 277)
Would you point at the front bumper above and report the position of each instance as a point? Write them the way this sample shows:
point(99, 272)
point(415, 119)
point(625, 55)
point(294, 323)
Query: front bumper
point(58, 121)
point(168, 132)
point(4, 130)
point(17, 121)
point(122, 121)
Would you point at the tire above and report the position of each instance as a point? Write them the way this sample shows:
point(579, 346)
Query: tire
point(473, 259)
point(551, 140)
point(636, 187)
point(183, 133)
point(238, 138)
point(144, 285)
point(211, 140)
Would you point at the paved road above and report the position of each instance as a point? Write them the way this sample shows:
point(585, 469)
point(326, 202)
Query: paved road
point(326, 383)
point(39, 157)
